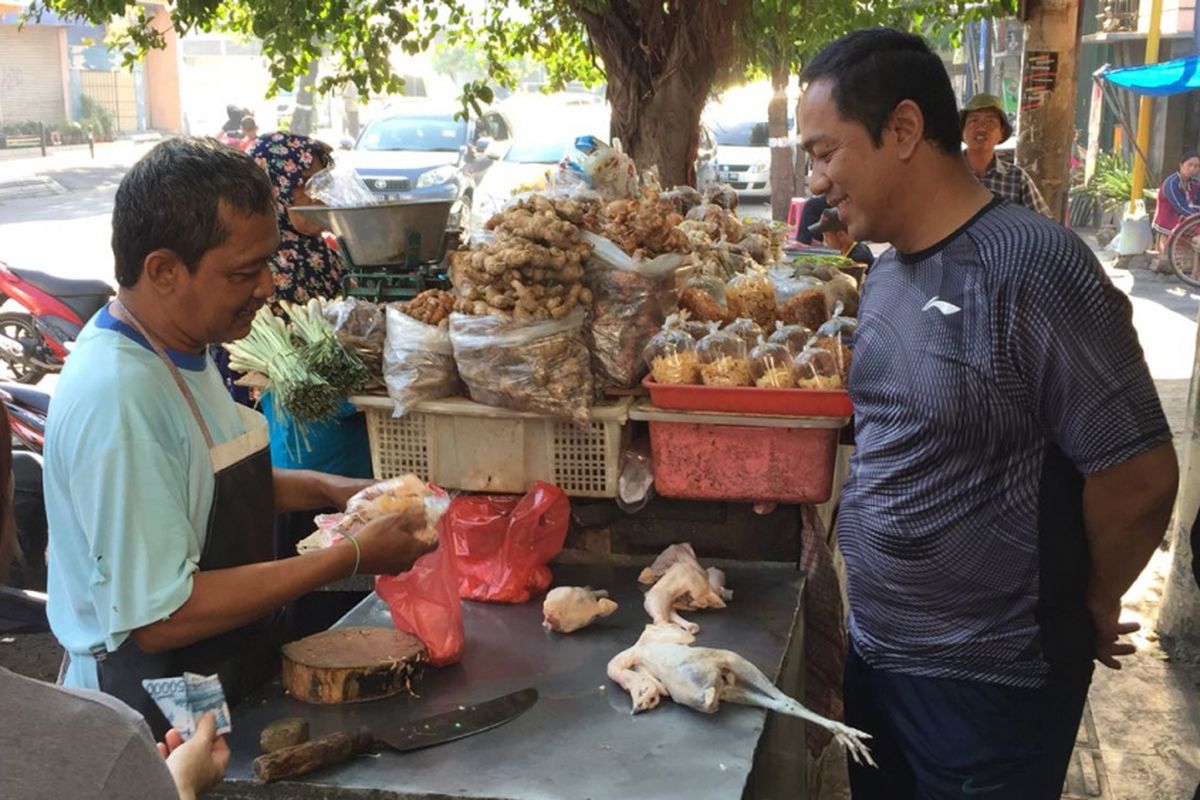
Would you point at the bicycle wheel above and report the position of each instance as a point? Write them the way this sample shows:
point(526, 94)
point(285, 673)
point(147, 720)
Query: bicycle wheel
point(1183, 250)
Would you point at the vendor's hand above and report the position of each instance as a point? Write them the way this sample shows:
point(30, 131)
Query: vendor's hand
point(198, 764)
point(339, 490)
point(1106, 619)
point(388, 545)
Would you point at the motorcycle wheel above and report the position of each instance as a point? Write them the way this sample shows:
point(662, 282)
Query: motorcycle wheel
point(20, 327)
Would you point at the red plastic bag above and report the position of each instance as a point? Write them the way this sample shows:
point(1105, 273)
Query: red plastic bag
point(424, 602)
point(502, 543)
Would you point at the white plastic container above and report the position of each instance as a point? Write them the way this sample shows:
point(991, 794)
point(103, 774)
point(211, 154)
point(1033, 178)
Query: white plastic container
point(460, 444)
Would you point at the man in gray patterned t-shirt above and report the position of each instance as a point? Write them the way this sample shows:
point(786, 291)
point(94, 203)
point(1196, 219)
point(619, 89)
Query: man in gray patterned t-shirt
point(1013, 469)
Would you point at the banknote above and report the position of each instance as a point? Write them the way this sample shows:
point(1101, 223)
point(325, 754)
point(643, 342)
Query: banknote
point(205, 694)
point(183, 700)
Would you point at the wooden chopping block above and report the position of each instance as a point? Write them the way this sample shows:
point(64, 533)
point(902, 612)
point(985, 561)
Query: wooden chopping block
point(350, 665)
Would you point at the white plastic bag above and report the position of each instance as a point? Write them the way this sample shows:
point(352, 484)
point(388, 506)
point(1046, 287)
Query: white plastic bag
point(418, 362)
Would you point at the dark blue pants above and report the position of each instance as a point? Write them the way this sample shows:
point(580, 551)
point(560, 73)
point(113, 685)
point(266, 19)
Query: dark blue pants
point(938, 738)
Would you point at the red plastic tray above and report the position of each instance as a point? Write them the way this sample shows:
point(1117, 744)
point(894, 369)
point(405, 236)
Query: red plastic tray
point(750, 400)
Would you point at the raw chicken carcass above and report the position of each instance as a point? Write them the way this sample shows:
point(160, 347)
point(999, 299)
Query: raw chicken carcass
point(684, 586)
point(716, 579)
point(663, 664)
point(569, 608)
point(667, 559)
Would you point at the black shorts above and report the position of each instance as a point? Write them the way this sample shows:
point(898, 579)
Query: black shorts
point(937, 738)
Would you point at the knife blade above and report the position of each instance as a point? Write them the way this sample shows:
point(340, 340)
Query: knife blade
point(460, 723)
point(334, 748)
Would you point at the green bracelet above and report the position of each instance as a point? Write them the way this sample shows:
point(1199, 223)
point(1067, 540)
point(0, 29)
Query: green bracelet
point(357, 554)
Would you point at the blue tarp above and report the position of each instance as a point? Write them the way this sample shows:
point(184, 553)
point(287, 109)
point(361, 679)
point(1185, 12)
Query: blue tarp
point(1159, 80)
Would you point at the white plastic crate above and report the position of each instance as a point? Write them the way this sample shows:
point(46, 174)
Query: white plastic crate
point(459, 444)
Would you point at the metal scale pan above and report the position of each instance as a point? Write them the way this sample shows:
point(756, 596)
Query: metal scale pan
point(392, 250)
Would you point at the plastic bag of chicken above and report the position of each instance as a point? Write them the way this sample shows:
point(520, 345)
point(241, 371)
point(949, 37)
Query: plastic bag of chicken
point(503, 543)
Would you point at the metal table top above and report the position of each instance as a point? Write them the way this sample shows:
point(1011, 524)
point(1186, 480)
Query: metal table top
point(579, 740)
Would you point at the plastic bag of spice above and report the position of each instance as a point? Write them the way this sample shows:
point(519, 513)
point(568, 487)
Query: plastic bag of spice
point(418, 362)
point(630, 298)
point(542, 367)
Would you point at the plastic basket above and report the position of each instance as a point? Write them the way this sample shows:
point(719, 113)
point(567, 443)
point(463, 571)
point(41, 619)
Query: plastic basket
point(460, 444)
point(741, 457)
point(750, 400)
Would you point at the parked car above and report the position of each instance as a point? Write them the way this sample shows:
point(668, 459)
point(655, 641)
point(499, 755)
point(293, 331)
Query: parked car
point(744, 158)
point(417, 148)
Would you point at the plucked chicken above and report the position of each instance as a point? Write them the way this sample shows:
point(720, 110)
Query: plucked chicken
point(663, 664)
point(666, 559)
point(569, 608)
point(684, 586)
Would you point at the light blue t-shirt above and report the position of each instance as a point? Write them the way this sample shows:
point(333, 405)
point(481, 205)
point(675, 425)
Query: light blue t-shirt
point(129, 486)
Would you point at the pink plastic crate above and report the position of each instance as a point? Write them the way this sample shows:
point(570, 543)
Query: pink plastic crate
point(742, 459)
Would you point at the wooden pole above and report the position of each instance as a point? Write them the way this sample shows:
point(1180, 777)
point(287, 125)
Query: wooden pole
point(1048, 85)
point(1145, 109)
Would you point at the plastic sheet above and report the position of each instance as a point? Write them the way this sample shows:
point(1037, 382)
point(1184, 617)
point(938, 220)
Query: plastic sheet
point(418, 362)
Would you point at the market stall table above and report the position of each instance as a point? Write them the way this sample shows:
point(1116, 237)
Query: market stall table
point(579, 740)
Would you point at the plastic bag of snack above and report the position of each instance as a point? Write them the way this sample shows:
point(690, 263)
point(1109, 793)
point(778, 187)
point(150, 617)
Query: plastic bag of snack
point(771, 366)
point(788, 284)
point(418, 361)
point(628, 308)
point(842, 355)
point(610, 172)
point(404, 495)
point(794, 337)
point(340, 186)
point(360, 326)
point(719, 220)
point(806, 308)
point(752, 295)
point(671, 355)
point(747, 330)
point(816, 368)
point(842, 290)
point(724, 359)
point(723, 195)
point(544, 367)
point(840, 324)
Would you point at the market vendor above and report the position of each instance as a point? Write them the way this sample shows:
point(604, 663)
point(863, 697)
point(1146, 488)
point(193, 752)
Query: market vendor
point(1013, 469)
point(159, 489)
point(835, 235)
point(984, 124)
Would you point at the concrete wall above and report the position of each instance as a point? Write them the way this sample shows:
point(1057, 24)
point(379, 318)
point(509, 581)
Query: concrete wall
point(161, 79)
point(32, 75)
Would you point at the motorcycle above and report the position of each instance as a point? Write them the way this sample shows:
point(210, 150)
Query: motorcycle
point(35, 342)
point(23, 600)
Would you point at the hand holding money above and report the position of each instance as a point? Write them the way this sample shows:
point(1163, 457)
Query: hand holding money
point(185, 699)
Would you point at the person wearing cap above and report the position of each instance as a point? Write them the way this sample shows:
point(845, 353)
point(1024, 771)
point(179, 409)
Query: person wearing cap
point(984, 125)
point(835, 234)
point(1177, 197)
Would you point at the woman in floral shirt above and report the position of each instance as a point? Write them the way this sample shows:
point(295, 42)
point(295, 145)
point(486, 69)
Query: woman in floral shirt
point(304, 265)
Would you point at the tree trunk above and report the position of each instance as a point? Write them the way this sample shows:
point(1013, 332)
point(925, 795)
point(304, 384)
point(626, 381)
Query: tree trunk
point(783, 161)
point(662, 130)
point(661, 61)
point(302, 115)
point(1047, 116)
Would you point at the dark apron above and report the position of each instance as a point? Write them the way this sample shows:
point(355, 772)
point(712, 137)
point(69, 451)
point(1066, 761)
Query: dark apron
point(239, 532)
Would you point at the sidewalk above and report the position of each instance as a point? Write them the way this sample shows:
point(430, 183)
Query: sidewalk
point(1144, 741)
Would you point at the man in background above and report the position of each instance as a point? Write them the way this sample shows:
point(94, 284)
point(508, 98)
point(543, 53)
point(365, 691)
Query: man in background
point(984, 125)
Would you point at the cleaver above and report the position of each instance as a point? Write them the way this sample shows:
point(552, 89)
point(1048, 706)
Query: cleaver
point(334, 748)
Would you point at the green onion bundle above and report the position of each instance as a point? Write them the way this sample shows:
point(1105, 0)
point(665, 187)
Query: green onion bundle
point(323, 352)
point(270, 350)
